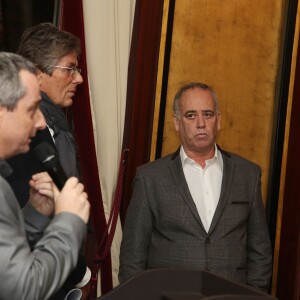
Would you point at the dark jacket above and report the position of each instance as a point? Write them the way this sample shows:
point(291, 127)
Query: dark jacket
point(25, 165)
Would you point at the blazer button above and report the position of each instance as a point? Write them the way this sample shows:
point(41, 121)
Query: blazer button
point(207, 241)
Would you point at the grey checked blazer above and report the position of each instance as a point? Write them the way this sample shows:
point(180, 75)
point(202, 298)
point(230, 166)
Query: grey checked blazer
point(163, 228)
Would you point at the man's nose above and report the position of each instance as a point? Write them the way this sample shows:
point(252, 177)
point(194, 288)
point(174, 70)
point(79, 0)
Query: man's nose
point(40, 122)
point(200, 121)
point(78, 79)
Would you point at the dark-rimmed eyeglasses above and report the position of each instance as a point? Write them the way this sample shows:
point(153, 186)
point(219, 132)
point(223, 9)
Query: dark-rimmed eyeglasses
point(71, 70)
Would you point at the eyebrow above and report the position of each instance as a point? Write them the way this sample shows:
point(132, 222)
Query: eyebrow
point(208, 110)
point(191, 111)
point(202, 111)
point(72, 64)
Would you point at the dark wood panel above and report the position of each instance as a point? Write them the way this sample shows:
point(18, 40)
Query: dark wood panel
point(18, 15)
point(288, 283)
point(142, 73)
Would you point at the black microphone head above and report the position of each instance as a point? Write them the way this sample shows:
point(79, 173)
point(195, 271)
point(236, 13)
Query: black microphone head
point(48, 157)
point(44, 152)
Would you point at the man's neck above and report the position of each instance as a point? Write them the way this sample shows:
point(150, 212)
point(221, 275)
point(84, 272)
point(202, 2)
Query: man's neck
point(201, 156)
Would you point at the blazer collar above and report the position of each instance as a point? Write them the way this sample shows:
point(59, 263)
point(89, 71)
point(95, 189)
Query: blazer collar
point(175, 154)
point(178, 176)
point(180, 182)
point(228, 171)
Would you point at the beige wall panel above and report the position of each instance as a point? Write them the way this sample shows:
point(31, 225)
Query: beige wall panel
point(234, 46)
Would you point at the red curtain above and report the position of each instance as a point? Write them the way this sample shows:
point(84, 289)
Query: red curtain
point(141, 87)
point(71, 19)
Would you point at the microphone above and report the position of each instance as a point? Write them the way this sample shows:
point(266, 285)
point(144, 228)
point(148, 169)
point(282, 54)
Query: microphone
point(48, 157)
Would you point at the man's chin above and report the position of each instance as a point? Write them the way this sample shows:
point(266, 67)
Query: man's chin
point(24, 149)
point(68, 102)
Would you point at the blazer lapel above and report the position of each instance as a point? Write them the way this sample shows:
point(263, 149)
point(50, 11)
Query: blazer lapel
point(181, 184)
point(228, 171)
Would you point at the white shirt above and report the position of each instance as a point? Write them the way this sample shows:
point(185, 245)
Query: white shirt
point(204, 184)
point(52, 133)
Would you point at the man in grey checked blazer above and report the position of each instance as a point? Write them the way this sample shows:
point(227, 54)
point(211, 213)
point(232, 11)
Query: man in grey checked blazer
point(199, 208)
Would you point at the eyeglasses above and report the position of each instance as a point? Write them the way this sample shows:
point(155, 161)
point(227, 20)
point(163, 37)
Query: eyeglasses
point(71, 70)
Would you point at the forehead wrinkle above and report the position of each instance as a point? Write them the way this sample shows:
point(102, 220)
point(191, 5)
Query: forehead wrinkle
point(191, 110)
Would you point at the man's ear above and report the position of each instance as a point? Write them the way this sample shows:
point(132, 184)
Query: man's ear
point(176, 122)
point(40, 77)
point(219, 121)
point(2, 109)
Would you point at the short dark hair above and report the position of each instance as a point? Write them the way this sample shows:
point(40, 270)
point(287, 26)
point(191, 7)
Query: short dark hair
point(45, 44)
point(193, 85)
point(11, 86)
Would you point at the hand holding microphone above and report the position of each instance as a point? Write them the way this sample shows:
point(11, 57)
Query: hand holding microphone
point(72, 197)
point(48, 157)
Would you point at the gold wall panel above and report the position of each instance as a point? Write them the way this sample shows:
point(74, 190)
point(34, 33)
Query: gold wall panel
point(234, 46)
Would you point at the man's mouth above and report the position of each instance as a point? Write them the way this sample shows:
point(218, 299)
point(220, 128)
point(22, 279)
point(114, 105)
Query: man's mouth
point(201, 134)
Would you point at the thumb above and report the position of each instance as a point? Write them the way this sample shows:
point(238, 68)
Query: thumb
point(56, 191)
point(71, 183)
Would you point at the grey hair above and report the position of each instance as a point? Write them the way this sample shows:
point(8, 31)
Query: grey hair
point(193, 85)
point(11, 86)
point(45, 44)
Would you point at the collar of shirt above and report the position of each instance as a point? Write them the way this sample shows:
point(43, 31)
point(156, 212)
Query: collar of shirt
point(204, 184)
point(5, 169)
point(217, 158)
point(51, 132)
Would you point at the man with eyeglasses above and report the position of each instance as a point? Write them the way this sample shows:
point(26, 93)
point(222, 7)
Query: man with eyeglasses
point(55, 54)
